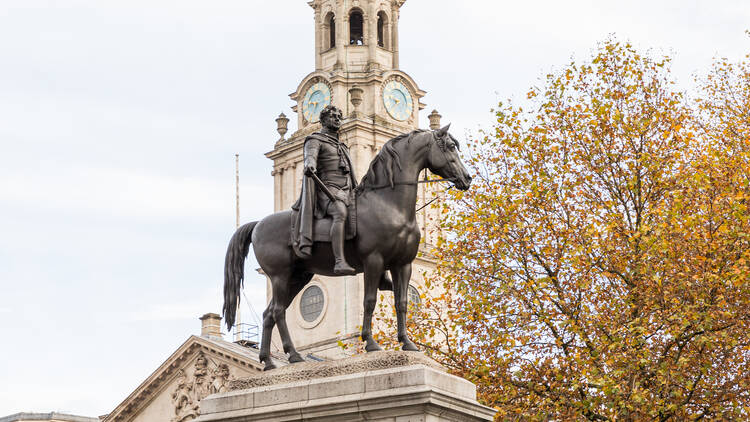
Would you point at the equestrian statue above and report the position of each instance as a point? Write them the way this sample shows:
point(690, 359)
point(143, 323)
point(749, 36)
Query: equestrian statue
point(339, 227)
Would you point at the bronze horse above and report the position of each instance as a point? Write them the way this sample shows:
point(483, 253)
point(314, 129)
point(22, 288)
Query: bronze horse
point(387, 238)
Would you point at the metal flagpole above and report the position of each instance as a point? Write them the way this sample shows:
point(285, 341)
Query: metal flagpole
point(237, 333)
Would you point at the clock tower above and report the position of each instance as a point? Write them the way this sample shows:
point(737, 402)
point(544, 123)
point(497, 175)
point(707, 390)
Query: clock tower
point(357, 70)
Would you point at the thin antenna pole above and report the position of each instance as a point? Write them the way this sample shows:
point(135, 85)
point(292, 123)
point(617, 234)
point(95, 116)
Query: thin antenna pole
point(237, 333)
point(237, 185)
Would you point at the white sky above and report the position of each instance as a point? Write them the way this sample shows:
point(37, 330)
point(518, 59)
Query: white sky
point(119, 121)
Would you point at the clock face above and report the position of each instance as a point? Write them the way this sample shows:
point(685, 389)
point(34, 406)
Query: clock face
point(316, 99)
point(397, 100)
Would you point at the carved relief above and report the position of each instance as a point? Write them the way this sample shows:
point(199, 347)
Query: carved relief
point(191, 390)
point(220, 379)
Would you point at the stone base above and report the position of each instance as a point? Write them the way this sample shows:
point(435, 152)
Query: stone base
point(416, 391)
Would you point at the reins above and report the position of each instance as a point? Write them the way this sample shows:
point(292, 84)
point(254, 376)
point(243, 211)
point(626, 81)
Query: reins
point(414, 183)
point(404, 184)
point(435, 198)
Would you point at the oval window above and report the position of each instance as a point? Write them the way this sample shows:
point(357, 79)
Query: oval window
point(311, 303)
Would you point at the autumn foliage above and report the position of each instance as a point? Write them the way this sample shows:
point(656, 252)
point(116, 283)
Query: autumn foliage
point(599, 268)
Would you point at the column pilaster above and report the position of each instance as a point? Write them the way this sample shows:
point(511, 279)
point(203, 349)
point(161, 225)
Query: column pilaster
point(394, 32)
point(372, 37)
point(319, 33)
point(342, 35)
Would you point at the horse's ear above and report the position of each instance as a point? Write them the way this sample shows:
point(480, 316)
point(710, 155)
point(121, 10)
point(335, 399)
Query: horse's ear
point(444, 131)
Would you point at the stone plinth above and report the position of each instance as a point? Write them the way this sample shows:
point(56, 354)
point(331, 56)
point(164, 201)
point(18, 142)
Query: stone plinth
point(380, 386)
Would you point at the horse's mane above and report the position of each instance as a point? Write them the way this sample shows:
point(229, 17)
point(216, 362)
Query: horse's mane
point(387, 161)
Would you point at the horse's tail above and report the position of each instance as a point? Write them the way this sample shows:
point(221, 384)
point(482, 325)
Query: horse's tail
point(234, 270)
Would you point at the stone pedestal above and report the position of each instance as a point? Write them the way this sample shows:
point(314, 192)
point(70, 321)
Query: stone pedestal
point(381, 386)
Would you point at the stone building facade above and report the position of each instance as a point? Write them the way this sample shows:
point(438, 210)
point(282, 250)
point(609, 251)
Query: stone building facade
point(201, 366)
point(47, 417)
point(357, 70)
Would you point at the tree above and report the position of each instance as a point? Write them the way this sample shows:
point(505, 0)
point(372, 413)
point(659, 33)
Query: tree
point(724, 108)
point(598, 267)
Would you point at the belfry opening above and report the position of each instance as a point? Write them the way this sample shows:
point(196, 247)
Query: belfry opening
point(356, 28)
point(331, 22)
point(382, 19)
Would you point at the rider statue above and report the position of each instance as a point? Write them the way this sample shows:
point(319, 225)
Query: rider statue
point(326, 158)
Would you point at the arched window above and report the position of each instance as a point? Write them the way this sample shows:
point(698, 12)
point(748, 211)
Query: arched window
point(414, 299)
point(356, 28)
point(382, 22)
point(331, 23)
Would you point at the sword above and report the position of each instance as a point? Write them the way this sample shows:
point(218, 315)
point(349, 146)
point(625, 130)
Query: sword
point(323, 187)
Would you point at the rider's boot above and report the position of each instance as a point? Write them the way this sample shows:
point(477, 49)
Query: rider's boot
point(337, 243)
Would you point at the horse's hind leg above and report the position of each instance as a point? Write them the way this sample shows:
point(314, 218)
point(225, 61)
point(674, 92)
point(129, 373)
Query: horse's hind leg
point(265, 342)
point(401, 277)
point(373, 274)
point(286, 293)
point(284, 289)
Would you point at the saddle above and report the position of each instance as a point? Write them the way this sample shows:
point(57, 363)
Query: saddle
point(322, 226)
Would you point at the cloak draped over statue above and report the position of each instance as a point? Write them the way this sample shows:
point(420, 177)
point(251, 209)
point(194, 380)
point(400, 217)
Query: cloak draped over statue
point(336, 171)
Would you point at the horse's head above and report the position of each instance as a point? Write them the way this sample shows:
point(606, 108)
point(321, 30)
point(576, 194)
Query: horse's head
point(444, 161)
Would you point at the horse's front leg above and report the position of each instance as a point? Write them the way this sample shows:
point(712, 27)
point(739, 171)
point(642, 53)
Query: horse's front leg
point(401, 277)
point(284, 290)
point(373, 272)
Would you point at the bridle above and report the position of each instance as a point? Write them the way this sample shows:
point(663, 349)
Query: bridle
point(441, 144)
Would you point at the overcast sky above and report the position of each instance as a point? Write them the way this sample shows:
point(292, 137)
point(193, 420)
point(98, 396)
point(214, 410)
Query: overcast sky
point(119, 121)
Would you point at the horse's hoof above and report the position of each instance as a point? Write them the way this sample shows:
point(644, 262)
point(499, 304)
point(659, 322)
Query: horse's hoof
point(295, 358)
point(409, 346)
point(373, 347)
point(269, 366)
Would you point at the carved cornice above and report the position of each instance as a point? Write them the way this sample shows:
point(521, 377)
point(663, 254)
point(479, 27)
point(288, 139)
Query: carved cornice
point(317, 3)
point(377, 125)
point(308, 81)
point(409, 81)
